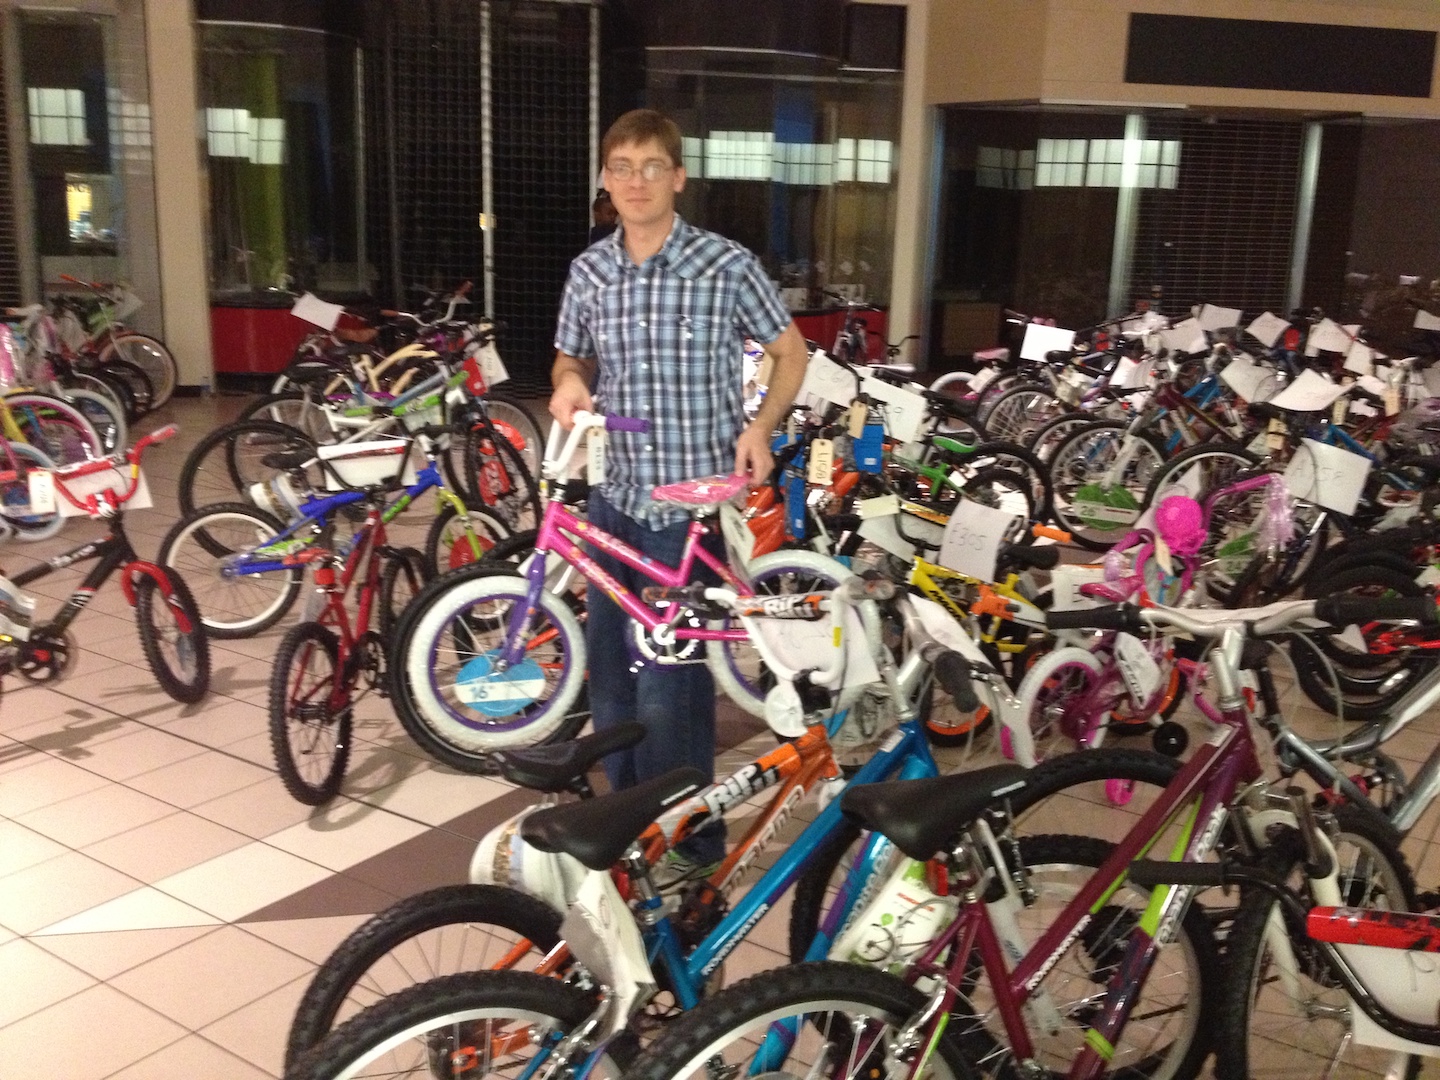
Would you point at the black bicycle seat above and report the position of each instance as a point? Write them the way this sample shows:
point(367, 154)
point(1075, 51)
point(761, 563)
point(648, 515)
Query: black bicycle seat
point(922, 817)
point(288, 459)
point(310, 373)
point(1034, 558)
point(597, 831)
point(1263, 410)
point(562, 766)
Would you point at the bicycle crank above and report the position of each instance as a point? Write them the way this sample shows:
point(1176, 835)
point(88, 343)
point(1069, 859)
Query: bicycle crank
point(45, 658)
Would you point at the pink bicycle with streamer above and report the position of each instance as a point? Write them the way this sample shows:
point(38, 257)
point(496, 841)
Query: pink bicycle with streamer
point(489, 659)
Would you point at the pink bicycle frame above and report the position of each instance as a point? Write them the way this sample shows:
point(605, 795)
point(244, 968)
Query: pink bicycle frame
point(552, 537)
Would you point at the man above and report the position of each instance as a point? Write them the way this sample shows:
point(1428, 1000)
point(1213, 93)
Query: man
point(603, 211)
point(653, 316)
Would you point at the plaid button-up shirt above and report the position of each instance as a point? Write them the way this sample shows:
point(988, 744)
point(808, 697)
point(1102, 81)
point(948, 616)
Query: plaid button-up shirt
point(667, 337)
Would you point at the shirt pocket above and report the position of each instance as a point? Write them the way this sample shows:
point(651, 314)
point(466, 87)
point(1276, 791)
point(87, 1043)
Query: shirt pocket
point(702, 339)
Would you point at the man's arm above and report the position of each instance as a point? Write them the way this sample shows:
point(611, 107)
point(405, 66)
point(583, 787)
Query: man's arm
point(571, 376)
point(789, 359)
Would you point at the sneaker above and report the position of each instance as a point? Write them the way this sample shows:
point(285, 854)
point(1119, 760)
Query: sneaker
point(677, 868)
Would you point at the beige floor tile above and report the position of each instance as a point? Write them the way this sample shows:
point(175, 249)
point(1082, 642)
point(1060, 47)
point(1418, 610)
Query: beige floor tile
point(42, 783)
point(57, 888)
point(139, 751)
point(256, 749)
point(257, 1032)
point(63, 726)
point(105, 955)
point(144, 908)
point(233, 885)
point(313, 939)
point(221, 722)
point(341, 848)
point(95, 815)
point(59, 1042)
point(21, 847)
point(258, 810)
point(40, 977)
point(192, 1057)
point(374, 768)
point(186, 984)
point(198, 779)
point(238, 676)
point(166, 846)
point(434, 796)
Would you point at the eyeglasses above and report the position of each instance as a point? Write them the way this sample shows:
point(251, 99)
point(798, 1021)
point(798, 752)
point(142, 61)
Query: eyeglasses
point(651, 170)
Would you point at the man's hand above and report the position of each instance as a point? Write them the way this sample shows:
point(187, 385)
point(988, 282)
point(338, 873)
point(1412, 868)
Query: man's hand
point(752, 454)
point(572, 390)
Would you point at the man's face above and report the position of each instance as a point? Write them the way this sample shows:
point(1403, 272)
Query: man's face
point(642, 182)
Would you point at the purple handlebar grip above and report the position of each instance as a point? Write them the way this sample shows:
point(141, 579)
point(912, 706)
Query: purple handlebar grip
point(626, 423)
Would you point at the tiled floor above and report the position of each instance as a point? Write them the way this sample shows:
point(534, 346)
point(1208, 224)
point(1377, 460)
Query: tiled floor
point(158, 885)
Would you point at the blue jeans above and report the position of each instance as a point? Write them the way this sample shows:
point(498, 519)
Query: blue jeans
point(675, 704)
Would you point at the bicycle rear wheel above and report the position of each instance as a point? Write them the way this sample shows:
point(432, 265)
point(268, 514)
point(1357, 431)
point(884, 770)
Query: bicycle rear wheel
point(55, 427)
point(309, 726)
point(151, 356)
point(497, 479)
point(15, 495)
point(223, 465)
point(173, 638)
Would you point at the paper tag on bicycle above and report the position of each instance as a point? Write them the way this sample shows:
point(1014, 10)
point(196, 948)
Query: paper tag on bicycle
point(858, 415)
point(1338, 411)
point(972, 539)
point(817, 646)
point(880, 506)
point(1246, 379)
point(1040, 340)
point(822, 462)
point(1275, 434)
point(828, 380)
point(1392, 401)
point(1065, 582)
point(1327, 475)
point(42, 491)
point(1137, 668)
point(983, 378)
point(112, 480)
point(317, 312)
point(491, 364)
point(882, 532)
point(595, 456)
point(1309, 393)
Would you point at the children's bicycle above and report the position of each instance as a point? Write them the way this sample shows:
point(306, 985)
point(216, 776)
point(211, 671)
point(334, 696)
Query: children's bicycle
point(171, 633)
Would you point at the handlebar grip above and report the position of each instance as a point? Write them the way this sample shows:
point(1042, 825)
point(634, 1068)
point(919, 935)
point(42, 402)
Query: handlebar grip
point(9, 476)
point(1345, 610)
point(952, 671)
point(1110, 617)
point(1148, 873)
point(159, 435)
point(626, 423)
point(1049, 532)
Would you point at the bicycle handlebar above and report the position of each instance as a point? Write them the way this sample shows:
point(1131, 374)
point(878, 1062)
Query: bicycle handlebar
point(1273, 618)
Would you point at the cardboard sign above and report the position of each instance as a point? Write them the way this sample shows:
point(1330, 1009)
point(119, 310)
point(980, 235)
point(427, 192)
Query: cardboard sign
point(972, 539)
point(317, 312)
point(1040, 340)
point(1327, 476)
point(1311, 392)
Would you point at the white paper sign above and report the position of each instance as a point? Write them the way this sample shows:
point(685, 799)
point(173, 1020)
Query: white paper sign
point(880, 506)
point(1425, 321)
point(316, 311)
point(1330, 336)
point(114, 480)
point(1431, 377)
point(1311, 392)
point(1360, 358)
point(1218, 318)
point(904, 409)
point(1120, 377)
point(1185, 337)
point(42, 491)
point(1327, 475)
point(1065, 582)
point(828, 380)
point(1040, 340)
point(1370, 384)
point(882, 532)
point(491, 366)
point(1267, 329)
point(972, 539)
point(1245, 377)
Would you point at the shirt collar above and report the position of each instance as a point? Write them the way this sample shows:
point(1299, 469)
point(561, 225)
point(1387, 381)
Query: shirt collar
point(670, 255)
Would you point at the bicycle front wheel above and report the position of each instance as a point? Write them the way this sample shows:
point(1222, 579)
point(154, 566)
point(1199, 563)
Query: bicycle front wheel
point(444, 931)
point(822, 1019)
point(173, 638)
point(1100, 477)
point(15, 495)
point(55, 427)
point(151, 356)
point(477, 1024)
point(309, 726)
point(452, 687)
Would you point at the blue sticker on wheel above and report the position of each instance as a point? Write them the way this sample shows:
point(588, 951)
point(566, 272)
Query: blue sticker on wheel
point(499, 693)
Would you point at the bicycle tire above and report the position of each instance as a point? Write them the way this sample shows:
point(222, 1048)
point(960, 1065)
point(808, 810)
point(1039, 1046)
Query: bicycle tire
point(55, 427)
point(690, 1045)
point(390, 1028)
point(1020, 412)
point(1242, 1054)
point(401, 580)
point(117, 388)
point(293, 408)
point(179, 659)
point(1001, 489)
point(1070, 479)
point(105, 416)
point(1020, 459)
point(445, 609)
point(452, 543)
point(1205, 457)
point(1054, 432)
point(29, 528)
point(236, 606)
point(219, 468)
point(136, 382)
point(504, 485)
point(503, 405)
point(151, 356)
point(301, 707)
point(370, 959)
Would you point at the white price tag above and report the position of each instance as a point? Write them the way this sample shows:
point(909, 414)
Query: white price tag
point(1392, 401)
point(1341, 407)
point(317, 312)
point(904, 409)
point(1360, 358)
point(972, 539)
point(1425, 321)
point(1040, 340)
point(821, 462)
point(1245, 377)
point(1137, 668)
point(828, 380)
point(881, 506)
point(595, 456)
point(491, 366)
point(1218, 318)
point(1311, 392)
point(1327, 475)
point(1267, 329)
point(1065, 582)
point(42, 491)
point(1330, 336)
point(1184, 337)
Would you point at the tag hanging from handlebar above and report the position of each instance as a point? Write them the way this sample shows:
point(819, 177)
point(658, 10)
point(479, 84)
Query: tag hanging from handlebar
point(870, 446)
point(474, 377)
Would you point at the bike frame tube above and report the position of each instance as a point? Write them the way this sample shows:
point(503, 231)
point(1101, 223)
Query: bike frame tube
point(112, 552)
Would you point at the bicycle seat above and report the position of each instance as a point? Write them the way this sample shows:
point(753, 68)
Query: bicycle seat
point(311, 373)
point(597, 831)
point(922, 817)
point(287, 459)
point(896, 373)
point(357, 337)
point(1112, 592)
point(957, 407)
point(559, 766)
point(707, 491)
point(992, 356)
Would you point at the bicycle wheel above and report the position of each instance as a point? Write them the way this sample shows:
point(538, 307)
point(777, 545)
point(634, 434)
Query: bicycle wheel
point(56, 427)
point(118, 388)
point(294, 408)
point(456, 540)
point(1057, 689)
point(150, 356)
point(812, 1020)
point(1281, 1011)
point(453, 691)
point(1043, 443)
point(1017, 459)
point(1095, 508)
point(310, 715)
point(497, 479)
point(223, 465)
point(736, 665)
point(231, 605)
point(1022, 411)
point(400, 582)
point(444, 931)
point(15, 495)
point(493, 1023)
point(137, 384)
point(173, 637)
point(105, 416)
point(1203, 469)
point(519, 427)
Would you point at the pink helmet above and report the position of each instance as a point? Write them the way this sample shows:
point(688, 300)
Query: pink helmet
point(1181, 523)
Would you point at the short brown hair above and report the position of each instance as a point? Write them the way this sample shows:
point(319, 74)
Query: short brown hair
point(639, 126)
